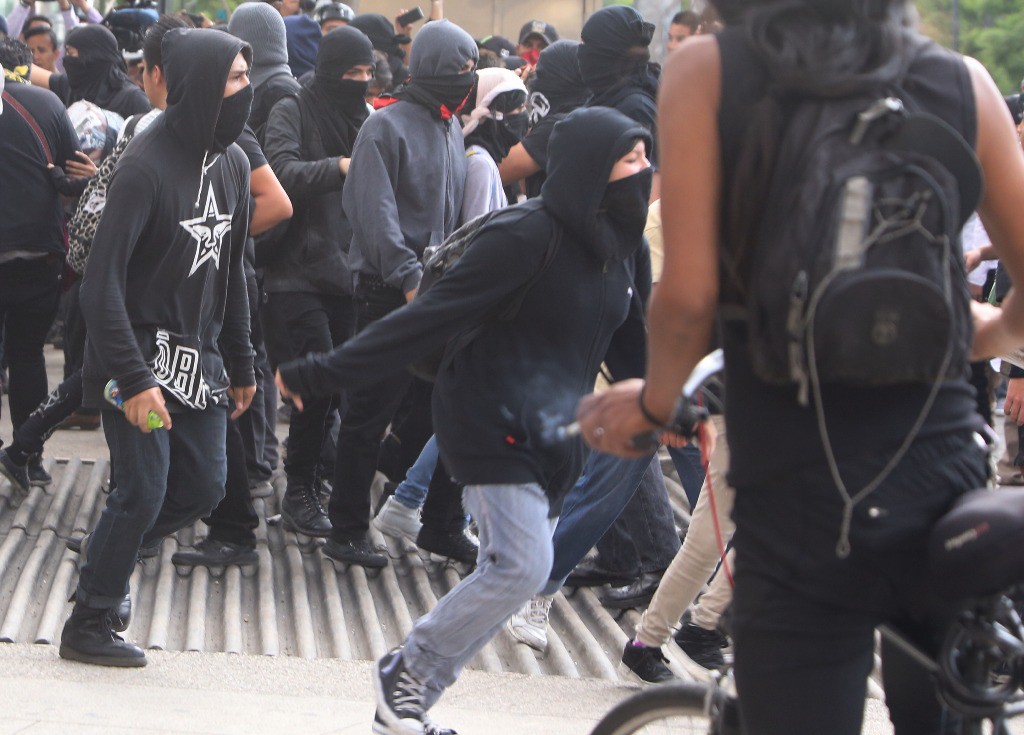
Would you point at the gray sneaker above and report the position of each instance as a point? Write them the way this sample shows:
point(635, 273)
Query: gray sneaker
point(398, 521)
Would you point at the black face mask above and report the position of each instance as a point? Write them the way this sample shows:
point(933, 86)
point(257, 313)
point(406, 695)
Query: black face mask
point(344, 95)
point(516, 126)
point(450, 90)
point(234, 113)
point(625, 200)
point(80, 71)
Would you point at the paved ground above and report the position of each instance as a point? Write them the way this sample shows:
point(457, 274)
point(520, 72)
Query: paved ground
point(321, 690)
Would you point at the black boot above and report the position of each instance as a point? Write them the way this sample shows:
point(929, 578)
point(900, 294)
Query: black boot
point(87, 637)
point(301, 510)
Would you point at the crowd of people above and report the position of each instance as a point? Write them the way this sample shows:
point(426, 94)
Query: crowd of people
point(231, 216)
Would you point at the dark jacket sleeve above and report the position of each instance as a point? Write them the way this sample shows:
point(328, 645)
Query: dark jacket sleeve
point(236, 337)
point(473, 291)
point(283, 148)
point(103, 285)
point(627, 353)
point(69, 187)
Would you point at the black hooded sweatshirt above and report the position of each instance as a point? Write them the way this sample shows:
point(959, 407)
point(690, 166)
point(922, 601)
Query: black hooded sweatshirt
point(98, 74)
point(164, 280)
point(498, 401)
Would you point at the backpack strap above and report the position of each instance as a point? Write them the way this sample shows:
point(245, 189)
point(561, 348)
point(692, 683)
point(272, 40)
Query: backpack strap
point(512, 307)
point(27, 117)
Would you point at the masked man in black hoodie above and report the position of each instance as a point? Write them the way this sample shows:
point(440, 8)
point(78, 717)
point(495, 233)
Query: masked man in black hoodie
point(498, 400)
point(164, 298)
point(309, 143)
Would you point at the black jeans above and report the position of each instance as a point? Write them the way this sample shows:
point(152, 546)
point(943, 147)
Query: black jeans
point(29, 295)
point(297, 324)
point(804, 618)
point(643, 538)
point(257, 425)
point(234, 519)
point(369, 411)
point(163, 481)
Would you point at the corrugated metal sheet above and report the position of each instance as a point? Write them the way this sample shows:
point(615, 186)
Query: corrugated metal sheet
point(296, 603)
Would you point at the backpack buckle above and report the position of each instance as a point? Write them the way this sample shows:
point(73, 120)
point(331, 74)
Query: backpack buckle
point(881, 108)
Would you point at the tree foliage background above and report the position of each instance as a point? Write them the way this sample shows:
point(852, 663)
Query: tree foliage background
point(992, 31)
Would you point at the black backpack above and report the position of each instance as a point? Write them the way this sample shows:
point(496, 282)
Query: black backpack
point(439, 259)
point(854, 275)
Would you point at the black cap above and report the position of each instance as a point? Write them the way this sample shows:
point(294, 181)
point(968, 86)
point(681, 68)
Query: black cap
point(538, 28)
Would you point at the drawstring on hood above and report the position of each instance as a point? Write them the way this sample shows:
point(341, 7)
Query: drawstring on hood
point(583, 150)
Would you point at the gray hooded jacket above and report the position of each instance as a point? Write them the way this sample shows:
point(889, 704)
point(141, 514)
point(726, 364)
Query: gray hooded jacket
point(408, 171)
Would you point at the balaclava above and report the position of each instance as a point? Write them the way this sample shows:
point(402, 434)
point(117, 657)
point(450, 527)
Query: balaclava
point(99, 71)
point(337, 104)
point(262, 27)
point(608, 54)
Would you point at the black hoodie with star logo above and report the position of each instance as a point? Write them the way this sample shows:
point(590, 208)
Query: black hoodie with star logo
point(164, 292)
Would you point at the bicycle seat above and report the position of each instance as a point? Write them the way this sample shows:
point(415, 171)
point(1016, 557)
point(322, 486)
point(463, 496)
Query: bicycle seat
point(977, 547)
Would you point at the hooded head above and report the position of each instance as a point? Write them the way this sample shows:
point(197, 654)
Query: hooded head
point(557, 86)
point(441, 67)
point(98, 72)
point(583, 149)
point(615, 46)
point(196, 66)
point(340, 50)
point(262, 27)
point(381, 33)
point(303, 39)
point(498, 120)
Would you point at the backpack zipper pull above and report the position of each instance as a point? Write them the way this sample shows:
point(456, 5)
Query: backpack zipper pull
point(881, 108)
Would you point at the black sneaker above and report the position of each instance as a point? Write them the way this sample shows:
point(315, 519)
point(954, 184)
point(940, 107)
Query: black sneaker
point(702, 646)
point(301, 510)
point(18, 475)
point(400, 697)
point(358, 551)
point(458, 546)
point(646, 664)
point(213, 553)
point(36, 474)
point(590, 573)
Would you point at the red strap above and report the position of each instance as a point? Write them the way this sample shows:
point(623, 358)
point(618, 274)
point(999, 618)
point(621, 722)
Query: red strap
point(382, 102)
point(8, 99)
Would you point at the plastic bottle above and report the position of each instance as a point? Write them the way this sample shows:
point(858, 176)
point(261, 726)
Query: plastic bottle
point(112, 392)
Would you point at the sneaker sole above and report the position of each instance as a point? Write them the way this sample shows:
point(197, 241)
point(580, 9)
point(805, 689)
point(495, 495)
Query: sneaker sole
point(244, 562)
point(71, 654)
point(627, 673)
point(384, 720)
point(289, 525)
point(532, 643)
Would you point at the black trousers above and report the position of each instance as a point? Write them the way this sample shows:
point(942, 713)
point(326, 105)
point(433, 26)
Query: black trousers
point(297, 324)
point(804, 617)
point(29, 296)
point(63, 401)
point(256, 425)
point(234, 519)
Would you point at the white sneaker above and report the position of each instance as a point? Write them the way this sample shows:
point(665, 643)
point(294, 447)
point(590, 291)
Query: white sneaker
point(398, 521)
point(530, 625)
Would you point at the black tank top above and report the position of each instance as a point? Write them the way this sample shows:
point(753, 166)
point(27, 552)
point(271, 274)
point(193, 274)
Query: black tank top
point(770, 434)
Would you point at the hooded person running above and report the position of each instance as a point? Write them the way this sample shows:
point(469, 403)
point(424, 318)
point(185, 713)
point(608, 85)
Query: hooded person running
point(94, 70)
point(496, 399)
point(309, 144)
point(555, 90)
point(164, 298)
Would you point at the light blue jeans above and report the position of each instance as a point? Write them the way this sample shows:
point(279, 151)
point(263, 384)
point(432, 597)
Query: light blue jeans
point(412, 491)
point(513, 564)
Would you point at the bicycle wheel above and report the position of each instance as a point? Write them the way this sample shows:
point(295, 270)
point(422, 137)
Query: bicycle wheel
point(670, 709)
